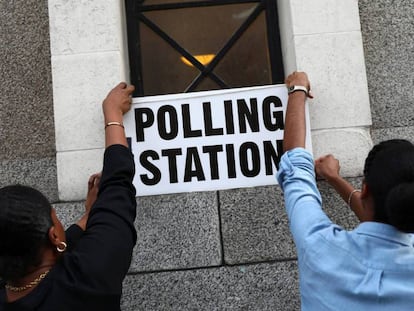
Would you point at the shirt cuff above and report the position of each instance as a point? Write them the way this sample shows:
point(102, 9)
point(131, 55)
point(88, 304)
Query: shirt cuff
point(297, 158)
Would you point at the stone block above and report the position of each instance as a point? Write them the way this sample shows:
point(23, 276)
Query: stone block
point(388, 37)
point(324, 16)
point(78, 96)
point(85, 26)
point(254, 225)
point(177, 231)
point(269, 286)
point(335, 65)
point(350, 146)
point(74, 169)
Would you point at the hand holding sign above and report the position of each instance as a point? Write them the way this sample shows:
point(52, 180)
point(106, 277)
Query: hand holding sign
point(117, 102)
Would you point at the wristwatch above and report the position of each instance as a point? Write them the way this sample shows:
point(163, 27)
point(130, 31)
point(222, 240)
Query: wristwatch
point(295, 88)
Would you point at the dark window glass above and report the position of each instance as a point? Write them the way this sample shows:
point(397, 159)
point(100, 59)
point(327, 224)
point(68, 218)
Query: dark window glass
point(186, 46)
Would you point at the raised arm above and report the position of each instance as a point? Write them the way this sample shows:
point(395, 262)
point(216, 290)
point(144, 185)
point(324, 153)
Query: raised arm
point(103, 254)
point(296, 174)
point(116, 103)
point(295, 123)
point(114, 106)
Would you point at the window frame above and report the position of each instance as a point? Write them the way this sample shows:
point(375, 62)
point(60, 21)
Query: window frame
point(135, 10)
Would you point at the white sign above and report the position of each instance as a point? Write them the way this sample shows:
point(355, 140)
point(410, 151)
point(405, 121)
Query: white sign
point(207, 141)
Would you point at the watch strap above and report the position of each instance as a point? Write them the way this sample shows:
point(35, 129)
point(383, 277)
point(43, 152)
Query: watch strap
point(295, 88)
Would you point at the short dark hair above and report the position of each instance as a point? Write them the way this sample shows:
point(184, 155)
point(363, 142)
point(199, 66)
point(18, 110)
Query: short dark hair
point(25, 218)
point(389, 175)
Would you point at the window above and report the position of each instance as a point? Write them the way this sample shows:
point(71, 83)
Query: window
point(187, 46)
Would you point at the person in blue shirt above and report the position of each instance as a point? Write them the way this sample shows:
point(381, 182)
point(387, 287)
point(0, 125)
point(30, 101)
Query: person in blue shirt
point(372, 266)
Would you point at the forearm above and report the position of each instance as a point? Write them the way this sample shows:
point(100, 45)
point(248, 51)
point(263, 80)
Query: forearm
point(117, 102)
point(295, 123)
point(345, 189)
point(114, 134)
point(303, 201)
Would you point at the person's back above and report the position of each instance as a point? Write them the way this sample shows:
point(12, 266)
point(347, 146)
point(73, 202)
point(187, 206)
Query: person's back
point(371, 267)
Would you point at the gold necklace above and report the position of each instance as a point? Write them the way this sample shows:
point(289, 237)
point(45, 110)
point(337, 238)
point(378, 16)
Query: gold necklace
point(33, 283)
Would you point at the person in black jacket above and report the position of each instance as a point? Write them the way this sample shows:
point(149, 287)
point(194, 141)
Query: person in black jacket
point(41, 267)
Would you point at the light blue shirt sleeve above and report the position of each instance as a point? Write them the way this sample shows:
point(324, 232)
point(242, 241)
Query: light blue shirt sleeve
point(296, 176)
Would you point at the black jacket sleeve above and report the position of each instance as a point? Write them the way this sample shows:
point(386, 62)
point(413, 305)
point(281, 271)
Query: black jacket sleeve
point(101, 257)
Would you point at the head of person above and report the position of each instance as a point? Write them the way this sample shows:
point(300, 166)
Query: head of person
point(28, 227)
point(389, 180)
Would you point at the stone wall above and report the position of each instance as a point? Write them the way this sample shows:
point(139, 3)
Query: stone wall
point(388, 35)
point(27, 140)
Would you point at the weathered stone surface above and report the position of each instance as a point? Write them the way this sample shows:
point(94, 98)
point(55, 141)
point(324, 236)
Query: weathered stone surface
point(26, 109)
point(388, 36)
point(177, 231)
point(36, 173)
point(254, 225)
point(252, 287)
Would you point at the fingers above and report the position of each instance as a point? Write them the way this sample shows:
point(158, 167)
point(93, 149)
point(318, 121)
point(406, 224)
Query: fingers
point(94, 180)
point(326, 156)
point(127, 87)
point(298, 76)
point(327, 166)
point(121, 85)
point(326, 160)
point(130, 88)
point(122, 88)
point(119, 99)
point(93, 188)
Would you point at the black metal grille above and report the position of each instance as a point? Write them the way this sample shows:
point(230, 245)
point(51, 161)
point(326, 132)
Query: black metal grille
point(136, 15)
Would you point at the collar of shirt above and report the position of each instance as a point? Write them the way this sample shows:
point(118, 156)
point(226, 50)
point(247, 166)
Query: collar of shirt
point(385, 232)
